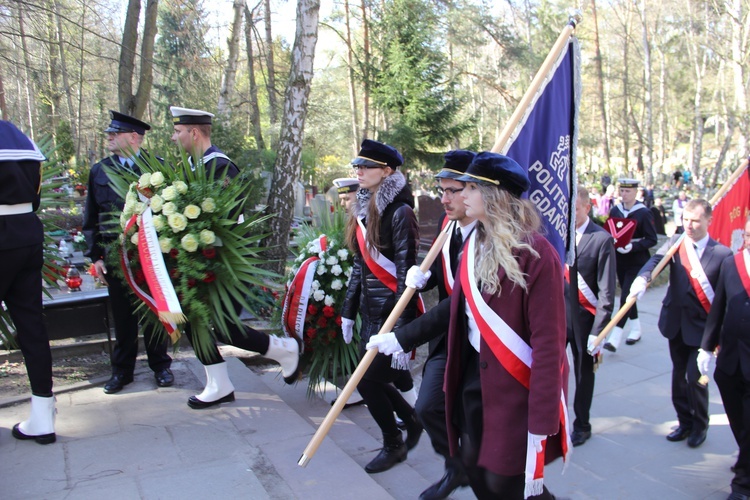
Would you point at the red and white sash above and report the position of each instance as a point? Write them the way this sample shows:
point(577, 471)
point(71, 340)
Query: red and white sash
point(164, 302)
point(586, 296)
point(742, 261)
point(515, 355)
point(446, 252)
point(696, 275)
point(298, 294)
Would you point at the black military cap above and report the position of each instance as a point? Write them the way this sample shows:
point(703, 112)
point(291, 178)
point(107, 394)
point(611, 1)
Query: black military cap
point(374, 154)
point(497, 170)
point(123, 123)
point(345, 185)
point(456, 163)
point(187, 116)
point(628, 183)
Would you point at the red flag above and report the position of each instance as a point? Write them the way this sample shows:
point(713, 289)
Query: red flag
point(730, 213)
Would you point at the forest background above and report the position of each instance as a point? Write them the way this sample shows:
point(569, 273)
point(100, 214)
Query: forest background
point(665, 84)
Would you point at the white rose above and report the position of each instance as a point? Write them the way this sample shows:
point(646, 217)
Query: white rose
point(348, 272)
point(145, 180)
point(180, 186)
point(321, 270)
point(134, 238)
point(157, 179)
point(192, 211)
point(336, 285)
point(300, 257)
point(157, 203)
point(129, 207)
point(332, 260)
point(322, 256)
point(319, 295)
point(169, 193)
point(207, 237)
point(123, 220)
point(189, 242)
point(343, 254)
point(140, 207)
point(177, 222)
point(159, 222)
point(314, 247)
point(208, 205)
point(165, 244)
point(329, 300)
point(336, 270)
point(131, 196)
point(169, 208)
point(315, 285)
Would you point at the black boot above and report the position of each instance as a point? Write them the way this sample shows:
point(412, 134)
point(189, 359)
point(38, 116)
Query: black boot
point(413, 430)
point(393, 452)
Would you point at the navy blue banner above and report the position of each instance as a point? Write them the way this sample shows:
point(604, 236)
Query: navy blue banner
point(544, 143)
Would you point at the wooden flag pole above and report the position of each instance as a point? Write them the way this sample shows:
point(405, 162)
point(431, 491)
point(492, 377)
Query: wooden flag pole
point(369, 356)
point(665, 260)
point(536, 83)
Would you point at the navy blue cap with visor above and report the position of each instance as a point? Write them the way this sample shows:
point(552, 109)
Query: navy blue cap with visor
point(456, 163)
point(497, 170)
point(374, 154)
point(122, 123)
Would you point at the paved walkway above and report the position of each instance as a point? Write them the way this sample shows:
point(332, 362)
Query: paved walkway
point(146, 443)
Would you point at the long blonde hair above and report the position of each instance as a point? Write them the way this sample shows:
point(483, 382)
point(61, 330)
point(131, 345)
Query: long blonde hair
point(511, 224)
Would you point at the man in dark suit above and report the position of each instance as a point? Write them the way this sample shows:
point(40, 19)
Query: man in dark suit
point(21, 260)
point(430, 406)
point(693, 275)
point(595, 266)
point(100, 224)
point(728, 328)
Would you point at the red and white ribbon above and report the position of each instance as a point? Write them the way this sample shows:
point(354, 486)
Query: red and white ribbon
point(586, 296)
point(514, 354)
point(446, 252)
point(742, 261)
point(298, 293)
point(697, 276)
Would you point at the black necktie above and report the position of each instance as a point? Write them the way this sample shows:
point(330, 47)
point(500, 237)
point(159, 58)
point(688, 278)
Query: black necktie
point(456, 241)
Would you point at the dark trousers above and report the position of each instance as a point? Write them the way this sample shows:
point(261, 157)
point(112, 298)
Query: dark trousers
point(126, 334)
point(690, 399)
point(625, 276)
point(735, 393)
point(430, 405)
point(21, 290)
point(584, 371)
point(240, 336)
point(486, 485)
point(381, 397)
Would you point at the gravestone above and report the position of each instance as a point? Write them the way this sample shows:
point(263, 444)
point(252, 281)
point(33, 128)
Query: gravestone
point(429, 211)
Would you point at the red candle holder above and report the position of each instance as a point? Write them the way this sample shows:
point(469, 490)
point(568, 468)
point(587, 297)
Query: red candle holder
point(73, 279)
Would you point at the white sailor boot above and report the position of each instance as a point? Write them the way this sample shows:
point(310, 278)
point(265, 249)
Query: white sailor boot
point(219, 388)
point(41, 423)
point(285, 351)
point(613, 341)
point(635, 332)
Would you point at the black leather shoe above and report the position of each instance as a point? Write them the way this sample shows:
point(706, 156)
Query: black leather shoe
point(451, 480)
point(679, 434)
point(737, 496)
point(117, 382)
point(197, 404)
point(632, 341)
point(696, 438)
point(580, 437)
point(164, 378)
point(610, 347)
point(394, 451)
point(413, 431)
point(41, 439)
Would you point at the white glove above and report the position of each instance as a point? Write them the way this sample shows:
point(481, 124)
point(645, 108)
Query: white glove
point(704, 357)
point(593, 351)
point(638, 288)
point(386, 343)
point(626, 249)
point(415, 278)
point(536, 441)
point(347, 329)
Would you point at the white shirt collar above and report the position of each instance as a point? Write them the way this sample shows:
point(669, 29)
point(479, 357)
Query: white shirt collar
point(466, 230)
point(701, 243)
point(582, 229)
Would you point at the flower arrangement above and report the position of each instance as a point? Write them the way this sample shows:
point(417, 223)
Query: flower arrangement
point(209, 258)
point(328, 263)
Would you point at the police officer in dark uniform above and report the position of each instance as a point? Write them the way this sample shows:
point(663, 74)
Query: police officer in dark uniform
point(631, 257)
point(21, 260)
point(192, 132)
point(100, 226)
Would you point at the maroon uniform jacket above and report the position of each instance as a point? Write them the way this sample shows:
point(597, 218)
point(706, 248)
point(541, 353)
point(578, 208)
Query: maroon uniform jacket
point(510, 411)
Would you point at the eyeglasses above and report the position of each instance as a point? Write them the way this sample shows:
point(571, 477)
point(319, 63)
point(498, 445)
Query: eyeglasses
point(365, 167)
point(449, 192)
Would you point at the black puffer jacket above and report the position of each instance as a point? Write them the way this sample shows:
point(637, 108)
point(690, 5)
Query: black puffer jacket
point(399, 237)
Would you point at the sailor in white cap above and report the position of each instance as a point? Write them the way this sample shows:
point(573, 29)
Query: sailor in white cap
point(192, 132)
point(347, 190)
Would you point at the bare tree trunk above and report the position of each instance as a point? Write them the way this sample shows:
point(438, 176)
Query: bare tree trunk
point(254, 108)
point(352, 88)
point(273, 106)
point(53, 76)
point(739, 54)
point(227, 87)
point(647, 129)
point(135, 104)
point(64, 72)
point(80, 79)
point(663, 116)
point(366, 72)
point(3, 105)
point(287, 168)
point(626, 100)
point(28, 87)
point(600, 84)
